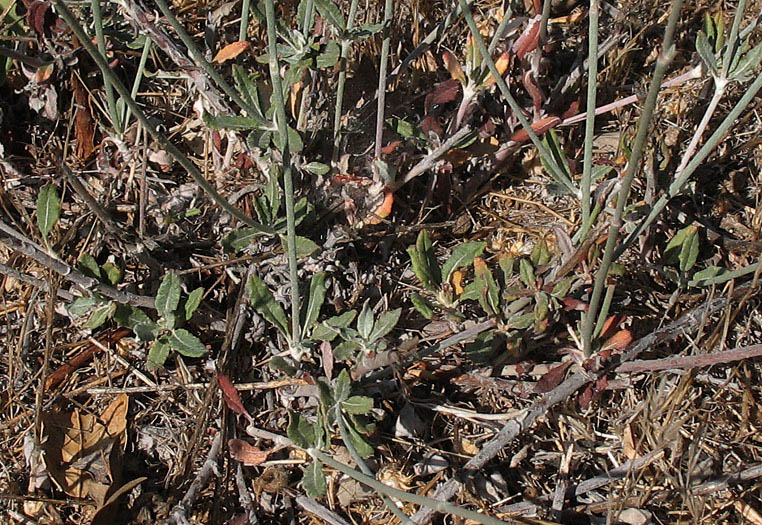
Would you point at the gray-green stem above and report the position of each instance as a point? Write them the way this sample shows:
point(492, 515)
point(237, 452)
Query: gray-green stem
point(288, 185)
point(110, 99)
point(342, 81)
point(592, 85)
point(382, 77)
point(381, 488)
point(555, 170)
point(665, 58)
point(84, 39)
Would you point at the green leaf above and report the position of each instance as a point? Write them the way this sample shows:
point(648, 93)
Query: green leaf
point(313, 480)
point(521, 322)
point(311, 309)
point(357, 405)
point(280, 364)
point(562, 288)
point(317, 168)
point(158, 353)
point(272, 191)
point(540, 253)
point(679, 247)
point(82, 305)
point(541, 307)
point(689, 250)
point(263, 302)
point(301, 210)
point(113, 273)
point(247, 88)
point(301, 431)
point(405, 129)
point(100, 314)
point(330, 55)
point(505, 262)
point(342, 386)
point(48, 209)
point(168, 295)
point(526, 271)
point(304, 246)
point(747, 64)
point(706, 275)
point(462, 255)
point(489, 297)
point(294, 140)
point(89, 266)
point(706, 53)
point(329, 329)
point(345, 351)
point(424, 307)
point(365, 320)
point(237, 240)
point(136, 320)
point(564, 180)
point(234, 122)
point(424, 261)
point(480, 350)
point(331, 12)
point(385, 324)
point(191, 304)
point(186, 343)
point(361, 446)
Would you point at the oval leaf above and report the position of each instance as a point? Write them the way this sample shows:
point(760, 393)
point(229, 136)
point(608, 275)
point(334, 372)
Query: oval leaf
point(168, 295)
point(186, 343)
point(230, 51)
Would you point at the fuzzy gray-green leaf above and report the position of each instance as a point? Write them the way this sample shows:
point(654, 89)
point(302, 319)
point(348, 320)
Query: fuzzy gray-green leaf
point(313, 480)
point(48, 209)
point(191, 304)
point(462, 255)
point(314, 302)
point(365, 321)
point(357, 405)
point(158, 353)
point(385, 324)
point(186, 343)
point(263, 302)
point(168, 295)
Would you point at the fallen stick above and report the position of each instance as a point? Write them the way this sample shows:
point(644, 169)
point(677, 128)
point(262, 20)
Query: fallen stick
point(515, 427)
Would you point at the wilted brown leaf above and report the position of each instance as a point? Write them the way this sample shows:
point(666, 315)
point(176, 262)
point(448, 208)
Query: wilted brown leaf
point(84, 128)
point(230, 51)
point(247, 454)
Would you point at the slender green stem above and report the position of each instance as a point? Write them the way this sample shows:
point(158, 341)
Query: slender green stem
point(342, 81)
point(544, 22)
point(499, 31)
point(604, 310)
point(288, 185)
point(438, 505)
point(309, 15)
point(244, 29)
point(138, 78)
point(725, 277)
point(305, 25)
point(665, 58)
point(592, 86)
point(201, 61)
point(110, 99)
point(733, 42)
point(682, 178)
point(366, 470)
point(388, 4)
point(84, 39)
point(555, 170)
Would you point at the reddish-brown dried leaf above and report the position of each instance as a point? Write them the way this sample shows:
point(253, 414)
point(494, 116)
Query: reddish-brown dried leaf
point(384, 209)
point(574, 304)
point(552, 379)
point(591, 392)
point(611, 324)
point(230, 51)
point(231, 397)
point(618, 341)
point(247, 454)
point(389, 148)
point(443, 93)
point(84, 127)
point(539, 127)
point(453, 66)
point(528, 40)
point(326, 351)
point(533, 89)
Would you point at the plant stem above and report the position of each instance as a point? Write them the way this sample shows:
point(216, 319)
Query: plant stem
point(201, 61)
point(555, 170)
point(342, 81)
point(388, 4)
point(366, 470)
point(682, 178)
point(592, 86)
point(732, 45)
point(288, 185)
point(191, 168)
point(665, 58)
point(138, 78)
point(438, 505)
point(244, 29)
point(110, 99)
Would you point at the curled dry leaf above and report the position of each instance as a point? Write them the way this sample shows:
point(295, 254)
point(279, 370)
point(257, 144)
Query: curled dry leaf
point(231, 397)
point(453, 66)
point(247, 454)
point(230, 51)
point(384, 209)
point(618, 341)
point(539, 127)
